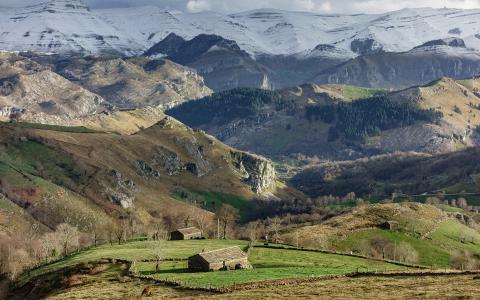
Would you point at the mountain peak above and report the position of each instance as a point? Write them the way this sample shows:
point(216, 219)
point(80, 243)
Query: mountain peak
point(168, 46)
point(56, 6)
point(183, 52)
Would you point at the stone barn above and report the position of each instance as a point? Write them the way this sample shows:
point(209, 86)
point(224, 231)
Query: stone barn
point(390, 225)
point(190, 233)
point(232, 258)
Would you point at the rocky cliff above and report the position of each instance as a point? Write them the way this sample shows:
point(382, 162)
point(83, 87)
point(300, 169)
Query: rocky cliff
point(257, 171)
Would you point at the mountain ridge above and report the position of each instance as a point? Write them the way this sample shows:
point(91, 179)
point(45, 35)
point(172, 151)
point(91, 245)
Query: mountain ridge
point(265, 31)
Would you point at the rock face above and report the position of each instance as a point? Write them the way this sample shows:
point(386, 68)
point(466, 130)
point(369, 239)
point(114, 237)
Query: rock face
point(42, 94)
point(401, 70)
point(132, 83)
point(122, 190)
point(365, 46)
point(220, 61)
point(257, 171)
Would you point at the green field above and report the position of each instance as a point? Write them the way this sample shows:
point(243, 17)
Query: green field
point(434, 250)
point(268, 264)
point(140, 250)
point(457, 237)
point(429, 253)
point(356, 92)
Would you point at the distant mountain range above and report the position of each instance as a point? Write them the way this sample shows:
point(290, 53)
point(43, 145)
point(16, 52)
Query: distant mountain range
point(66, 25)
point(262, 48)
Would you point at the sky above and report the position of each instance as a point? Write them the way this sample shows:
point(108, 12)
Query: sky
point(318, 6)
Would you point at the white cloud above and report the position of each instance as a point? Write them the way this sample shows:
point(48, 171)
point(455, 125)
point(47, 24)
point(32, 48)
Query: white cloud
point(198, 5)
point(320, 6)
point(328, 6)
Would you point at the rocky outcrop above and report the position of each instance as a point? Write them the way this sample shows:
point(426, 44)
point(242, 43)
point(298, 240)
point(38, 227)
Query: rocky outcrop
point(451, 42)
point(170, 163)
point(41, 94)
point(167, 161)
point(200, 165)
point(132, 83)
point(366, 46)
point(257, 171)
point(7, 85)
point(7, 111)
point(147, 171)
point(123, 190)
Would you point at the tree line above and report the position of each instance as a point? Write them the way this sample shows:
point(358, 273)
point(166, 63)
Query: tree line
point(221, 108)
point(368, 117)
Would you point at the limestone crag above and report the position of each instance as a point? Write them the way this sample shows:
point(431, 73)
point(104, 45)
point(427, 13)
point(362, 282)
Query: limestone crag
point(257, 171)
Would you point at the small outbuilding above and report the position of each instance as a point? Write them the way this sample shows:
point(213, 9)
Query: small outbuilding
point(232, 258)
point(390, 225)
point(190, 233)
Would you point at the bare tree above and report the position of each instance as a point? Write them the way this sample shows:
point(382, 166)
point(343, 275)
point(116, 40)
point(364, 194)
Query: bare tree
point(462, 203)
point(68, 237)
point(49, 245)
point(158, 228)
point(227, 215)
point(407, 253)
point(97, 230)
point(132, 224)
point(253, 231)
point(120, 231)
point(158, 253)
point(274, 226)
point(200, 219)
point(379, 246)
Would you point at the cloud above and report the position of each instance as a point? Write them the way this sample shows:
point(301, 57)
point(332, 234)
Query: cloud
point(319, 6)
point(198, 5)
point(329, 6)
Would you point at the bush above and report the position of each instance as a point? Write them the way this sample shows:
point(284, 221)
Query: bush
point(406, 253)
point(463, 260)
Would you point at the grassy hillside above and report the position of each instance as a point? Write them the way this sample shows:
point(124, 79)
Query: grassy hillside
point(424, 235)
point(326, 122)
point(268, 263)
point(136, 250)
point(63, 174)
point(344, 91)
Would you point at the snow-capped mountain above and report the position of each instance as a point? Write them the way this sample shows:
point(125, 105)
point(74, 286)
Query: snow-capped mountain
point(61, 26)
point(69, 25)
point(281, 32)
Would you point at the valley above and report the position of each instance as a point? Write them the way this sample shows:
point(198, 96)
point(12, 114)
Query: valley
point(164, 152)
